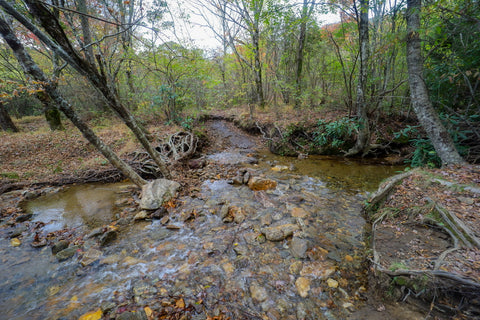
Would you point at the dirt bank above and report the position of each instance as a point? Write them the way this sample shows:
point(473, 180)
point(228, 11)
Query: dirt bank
point(425, 240)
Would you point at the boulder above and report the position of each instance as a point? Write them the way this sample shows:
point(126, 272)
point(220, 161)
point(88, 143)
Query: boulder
point(156, 192)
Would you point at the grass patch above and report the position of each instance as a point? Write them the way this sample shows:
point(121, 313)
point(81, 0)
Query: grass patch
point(10, 175)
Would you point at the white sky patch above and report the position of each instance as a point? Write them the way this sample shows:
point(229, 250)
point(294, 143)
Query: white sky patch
point(198, 34)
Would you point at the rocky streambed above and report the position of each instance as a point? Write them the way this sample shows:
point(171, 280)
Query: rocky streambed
point(261, 237)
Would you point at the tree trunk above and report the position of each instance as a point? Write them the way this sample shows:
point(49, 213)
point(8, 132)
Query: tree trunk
point(30, 68)
point(52, 114)
point(363, 139)
point(6, 122)
point(422, 105)
point(257, 68)
point(87, 36)
point(302, 38)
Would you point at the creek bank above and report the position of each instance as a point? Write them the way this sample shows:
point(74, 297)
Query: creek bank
point(206, 253)
point(317, 136)
point(425, 240)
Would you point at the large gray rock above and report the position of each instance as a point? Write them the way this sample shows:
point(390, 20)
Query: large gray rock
point(156, 192)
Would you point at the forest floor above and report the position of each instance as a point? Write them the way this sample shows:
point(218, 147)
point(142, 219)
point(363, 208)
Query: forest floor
point(37, 155)
point(404, 237)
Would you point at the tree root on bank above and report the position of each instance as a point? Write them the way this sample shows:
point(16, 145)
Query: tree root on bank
point(447, 291)
point(176, 147)
point(387, 186)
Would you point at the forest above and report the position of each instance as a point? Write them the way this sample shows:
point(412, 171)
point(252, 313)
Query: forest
point(106, 58)
point(310, 160)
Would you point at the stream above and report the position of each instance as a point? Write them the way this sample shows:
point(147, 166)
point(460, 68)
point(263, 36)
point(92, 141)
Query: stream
point(195, 262)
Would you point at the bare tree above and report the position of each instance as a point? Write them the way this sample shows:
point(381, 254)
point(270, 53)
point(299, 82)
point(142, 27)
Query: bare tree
point(426, 114)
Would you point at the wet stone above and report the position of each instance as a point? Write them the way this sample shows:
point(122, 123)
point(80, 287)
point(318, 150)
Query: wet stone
point(280, 232)
point(298, 247)
point(241, 250)
point(114, 258)
point(18, 231)
point(91, 256)
point(59, 246)
point(296, 267)
point(132, 315)
point(165, 220)
point(258, 293)
point(159, 213)
point(299, 212)
point(108, 237)
point(303, 286)
point(142, 215)
point(24, 217)
point(241, 262)
point(66, 253)
point(258, 184)
point(266, 219)
point(95, 232)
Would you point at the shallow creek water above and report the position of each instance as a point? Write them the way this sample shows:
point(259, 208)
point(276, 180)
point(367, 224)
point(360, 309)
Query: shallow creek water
point(217, 267)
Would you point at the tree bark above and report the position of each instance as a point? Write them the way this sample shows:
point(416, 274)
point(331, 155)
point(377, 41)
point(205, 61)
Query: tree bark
point(363, 138)
point(426, 114)
point(31, 68)
point(6, 122)
point(52, 114)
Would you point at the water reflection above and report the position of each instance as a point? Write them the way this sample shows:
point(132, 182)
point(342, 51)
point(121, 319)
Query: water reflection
point(91, 205)
point(335, 172)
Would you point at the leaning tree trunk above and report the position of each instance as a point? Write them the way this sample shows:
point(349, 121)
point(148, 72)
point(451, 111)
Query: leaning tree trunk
point(426, 114)
point(363, 139)
point(52, 114)
point(64, 48)
point(30, 68)
point(6, 122)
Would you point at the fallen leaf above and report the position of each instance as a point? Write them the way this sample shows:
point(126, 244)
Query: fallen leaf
point(180, 303)
point(148, 312)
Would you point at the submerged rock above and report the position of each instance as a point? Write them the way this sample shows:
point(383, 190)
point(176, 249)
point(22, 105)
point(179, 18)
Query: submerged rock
point(67, 253)
point(280, 232)
point(132, 315)
point(59, 246)
point(258, 184)
point(303, 286)
point(258, 293)
point(91, 256)
point(298, 247)
point(108, 237)
point(156, 192)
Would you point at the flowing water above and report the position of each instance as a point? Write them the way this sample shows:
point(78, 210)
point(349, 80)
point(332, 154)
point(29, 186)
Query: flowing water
point(217, 267)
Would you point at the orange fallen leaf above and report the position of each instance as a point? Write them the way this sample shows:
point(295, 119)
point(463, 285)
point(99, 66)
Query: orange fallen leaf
point(180, 303)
